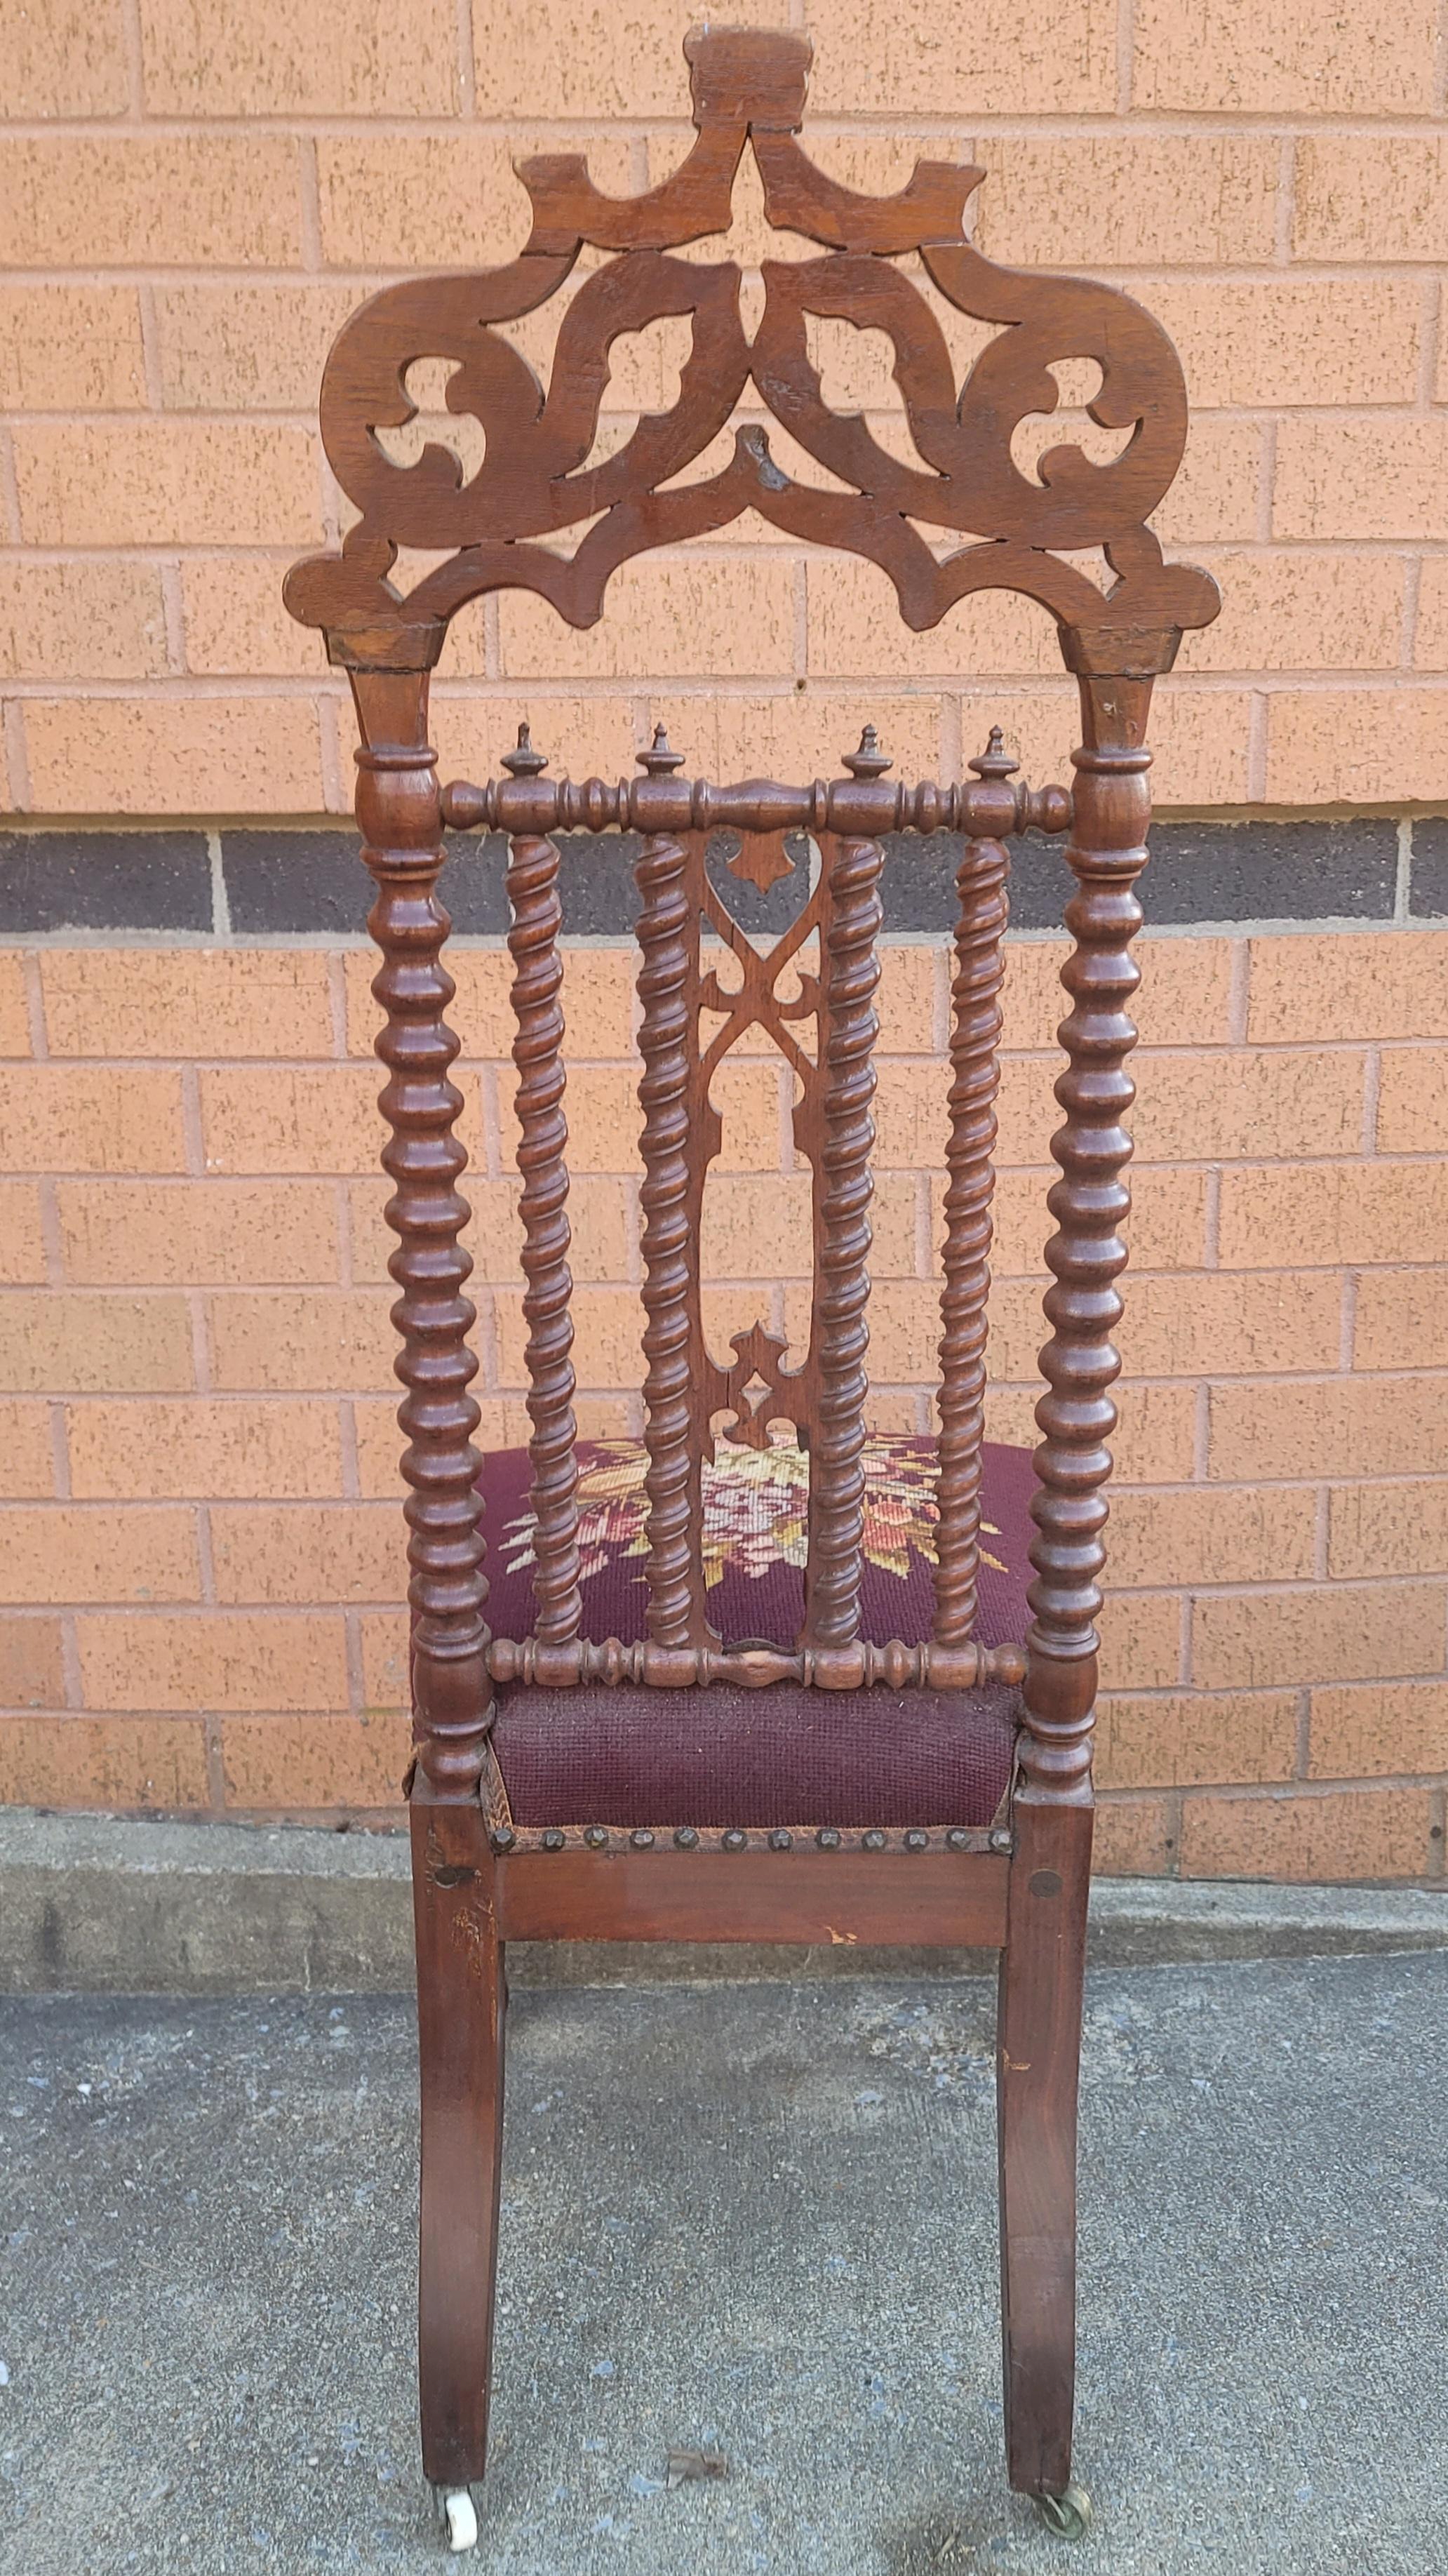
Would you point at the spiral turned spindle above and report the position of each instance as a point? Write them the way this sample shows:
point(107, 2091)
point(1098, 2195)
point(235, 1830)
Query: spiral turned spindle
point(975, 1037)
point(844, 1186)
point(398, 812)
point(543, 1138)
point(676, 1613)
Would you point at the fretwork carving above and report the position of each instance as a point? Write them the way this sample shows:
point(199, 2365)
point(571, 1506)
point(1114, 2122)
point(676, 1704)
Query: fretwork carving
point(536, 480)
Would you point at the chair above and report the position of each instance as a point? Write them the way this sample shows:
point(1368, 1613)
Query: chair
point(717, 1703)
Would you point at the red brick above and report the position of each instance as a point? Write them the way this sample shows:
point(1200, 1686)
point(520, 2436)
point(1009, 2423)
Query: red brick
point(1134, 1838)
point(311, 1763)
point(1185, 1738)
point(98, 1552)
point(120, 1764)
point(32, 1672)
point(1335, 1834)
point(212, 1660)
point(1326, 1633)
point(259, 1448)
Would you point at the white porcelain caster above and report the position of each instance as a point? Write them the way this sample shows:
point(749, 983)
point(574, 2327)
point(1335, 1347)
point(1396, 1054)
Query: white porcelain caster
point(460, 2515)
point(1069, 2514)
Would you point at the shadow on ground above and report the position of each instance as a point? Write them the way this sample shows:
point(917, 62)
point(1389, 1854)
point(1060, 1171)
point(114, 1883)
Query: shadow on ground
point(759, 2217)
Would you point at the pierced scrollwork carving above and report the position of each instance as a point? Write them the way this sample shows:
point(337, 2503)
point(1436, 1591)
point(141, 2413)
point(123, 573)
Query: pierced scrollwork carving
point(535, 480)
point(758, 1360)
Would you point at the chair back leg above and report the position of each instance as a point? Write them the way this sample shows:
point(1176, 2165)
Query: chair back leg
point(1038, 2050)
point(461, 2000)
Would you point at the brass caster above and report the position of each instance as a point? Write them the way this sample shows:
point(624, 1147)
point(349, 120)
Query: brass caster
point(1069, 2515)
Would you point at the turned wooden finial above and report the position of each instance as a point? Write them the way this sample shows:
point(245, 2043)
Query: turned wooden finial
point(659, 760)
point(525, 762)
point(869, 761)
point(995, 761)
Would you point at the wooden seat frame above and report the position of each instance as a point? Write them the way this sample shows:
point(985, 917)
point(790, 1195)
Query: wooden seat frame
point(480, 1879)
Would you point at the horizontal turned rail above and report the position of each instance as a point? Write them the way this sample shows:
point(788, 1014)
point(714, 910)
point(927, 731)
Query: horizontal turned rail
point(986, 808)
point(927, 1666)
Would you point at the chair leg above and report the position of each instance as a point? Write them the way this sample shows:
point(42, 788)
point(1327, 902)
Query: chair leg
point(461, 2000)
point(1038, 2057)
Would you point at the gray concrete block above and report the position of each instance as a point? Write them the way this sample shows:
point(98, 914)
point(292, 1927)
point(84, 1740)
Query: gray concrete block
point(101, 1904)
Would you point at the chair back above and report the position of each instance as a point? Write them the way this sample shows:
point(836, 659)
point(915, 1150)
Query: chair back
point(961, 516)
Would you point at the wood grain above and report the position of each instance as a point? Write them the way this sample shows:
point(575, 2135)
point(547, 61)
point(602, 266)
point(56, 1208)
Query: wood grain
point(398, 811)
point(674, 1565)
point(822, 1898)
point(537, 917)
point(975, 1035)
point(837, 1131)
point(538, 476)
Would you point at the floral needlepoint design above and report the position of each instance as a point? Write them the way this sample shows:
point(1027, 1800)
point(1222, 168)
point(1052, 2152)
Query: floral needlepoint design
point(756, 1510)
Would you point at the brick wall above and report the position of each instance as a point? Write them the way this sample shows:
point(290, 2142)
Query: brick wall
point(200, 1541)
point(201, 1445)
point(191, 199)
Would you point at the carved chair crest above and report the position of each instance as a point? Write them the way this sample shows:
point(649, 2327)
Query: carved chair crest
point(535, 482)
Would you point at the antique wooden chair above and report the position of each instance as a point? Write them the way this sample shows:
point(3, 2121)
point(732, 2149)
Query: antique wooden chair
point(909, 1759)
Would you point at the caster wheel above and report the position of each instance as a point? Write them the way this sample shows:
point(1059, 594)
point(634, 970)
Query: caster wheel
point(458, 2514)
point(1068, 2515)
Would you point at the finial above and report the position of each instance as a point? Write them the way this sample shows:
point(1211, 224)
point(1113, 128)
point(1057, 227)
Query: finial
point(869, 761)
point(525, 762)
point(658, 760)
point(995, 761)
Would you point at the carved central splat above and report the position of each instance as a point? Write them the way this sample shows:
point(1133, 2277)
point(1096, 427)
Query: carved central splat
point(755, 1387)
point(539, 474)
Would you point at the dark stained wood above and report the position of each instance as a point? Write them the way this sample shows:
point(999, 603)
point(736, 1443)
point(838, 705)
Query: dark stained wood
point(900, 1666)
point(1086, 1255)
point(975, 1035)
point(543, 1138)
point(761, 806)
point(1023, 1884)
point(1038, 2047)
point(1044, 1961)
point(749, 85)
point(837, 1132)
point(397, 810)
point(461, 1999)
point(674, 1566)
point(829, 1898)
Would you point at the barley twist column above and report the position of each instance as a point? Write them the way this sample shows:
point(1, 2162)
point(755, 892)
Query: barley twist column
point(400, 818)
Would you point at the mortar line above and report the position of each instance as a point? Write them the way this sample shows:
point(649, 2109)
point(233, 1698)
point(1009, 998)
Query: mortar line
point(1403, 882)
point(35, 1006)
point(356, 1676)
point(350, 1449)
point(220, 897)
point(59, 1452)
point(51, 1238)
point(1285, 211)
point(205, 1554)
point(467, 61)
point(1125, 54)
point(17, 759)
point(71, 1679)
point(135, 60)
point(173, 612)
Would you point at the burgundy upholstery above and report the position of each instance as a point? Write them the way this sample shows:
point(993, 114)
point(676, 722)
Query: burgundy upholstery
point(784, 1755)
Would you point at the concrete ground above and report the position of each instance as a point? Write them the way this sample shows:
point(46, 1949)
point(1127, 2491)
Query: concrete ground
point(757, 2216)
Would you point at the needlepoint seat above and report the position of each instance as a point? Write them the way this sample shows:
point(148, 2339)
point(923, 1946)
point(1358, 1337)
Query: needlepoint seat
point(782, 1755)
